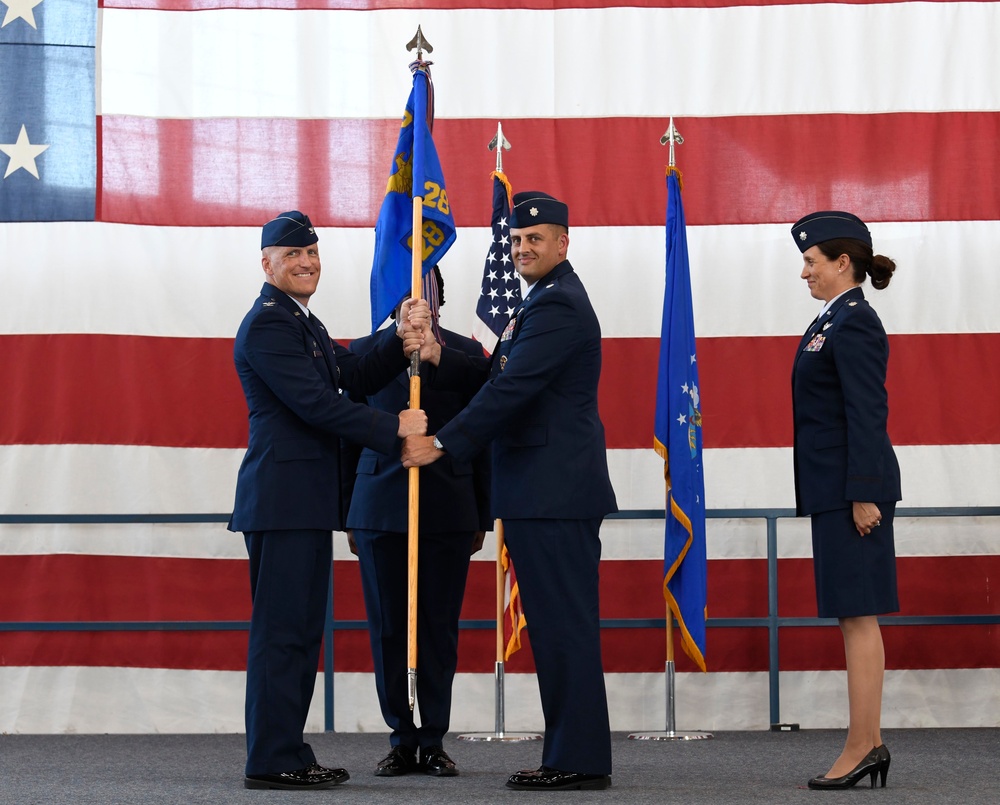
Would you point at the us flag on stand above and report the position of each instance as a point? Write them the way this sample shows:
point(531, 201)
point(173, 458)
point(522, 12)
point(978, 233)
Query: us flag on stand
point(498, 298)
point(501, 289)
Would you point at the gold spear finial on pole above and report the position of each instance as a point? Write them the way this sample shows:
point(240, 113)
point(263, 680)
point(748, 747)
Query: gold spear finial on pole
point(499, 143)
point(673, 137)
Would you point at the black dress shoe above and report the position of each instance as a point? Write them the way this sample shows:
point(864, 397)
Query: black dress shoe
point(435, 761)
point(546, 779)
point(311, 777)
point(400, 760)
point(870, 765)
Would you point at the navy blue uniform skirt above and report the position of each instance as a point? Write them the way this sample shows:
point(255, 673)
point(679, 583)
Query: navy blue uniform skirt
point(855, 575)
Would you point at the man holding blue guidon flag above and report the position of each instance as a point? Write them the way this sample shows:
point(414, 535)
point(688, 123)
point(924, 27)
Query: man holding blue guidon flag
point(537, 410)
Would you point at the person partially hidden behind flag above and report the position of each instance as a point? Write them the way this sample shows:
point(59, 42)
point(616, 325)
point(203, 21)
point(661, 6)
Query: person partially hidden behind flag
point(538, 410)
point(288, 491)
point(454, 519)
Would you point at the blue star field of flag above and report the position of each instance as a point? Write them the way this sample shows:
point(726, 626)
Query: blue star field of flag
point(48, 123)
point(501, 288)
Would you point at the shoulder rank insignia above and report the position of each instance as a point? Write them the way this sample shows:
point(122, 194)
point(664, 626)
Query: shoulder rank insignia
point(269, 303)
point(852, 303)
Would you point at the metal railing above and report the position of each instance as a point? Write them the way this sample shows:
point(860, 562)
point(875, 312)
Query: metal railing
point(772, 622)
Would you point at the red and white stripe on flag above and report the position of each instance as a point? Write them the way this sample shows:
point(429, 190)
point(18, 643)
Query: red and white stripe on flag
point(116, 337)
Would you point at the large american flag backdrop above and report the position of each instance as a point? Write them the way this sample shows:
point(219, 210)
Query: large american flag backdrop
point(130, 259)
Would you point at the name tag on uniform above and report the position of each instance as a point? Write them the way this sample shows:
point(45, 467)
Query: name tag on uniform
point(816, 344)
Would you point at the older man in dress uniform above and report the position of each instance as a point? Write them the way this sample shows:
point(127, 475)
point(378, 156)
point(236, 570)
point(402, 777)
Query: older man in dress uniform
point(288, 497)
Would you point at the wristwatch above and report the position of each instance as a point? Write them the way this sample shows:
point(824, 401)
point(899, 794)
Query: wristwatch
point(438, 445)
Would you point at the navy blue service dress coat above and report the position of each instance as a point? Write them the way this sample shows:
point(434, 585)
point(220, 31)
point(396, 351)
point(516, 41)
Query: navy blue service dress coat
point(539, 409)
point(552, 489)
point(454, 505)
point(843, 454)
point(288, 502)
point(292, 375)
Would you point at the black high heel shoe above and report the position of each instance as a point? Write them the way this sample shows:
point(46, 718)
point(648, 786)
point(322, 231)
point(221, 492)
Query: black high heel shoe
point(870, 765)
point(886, 758)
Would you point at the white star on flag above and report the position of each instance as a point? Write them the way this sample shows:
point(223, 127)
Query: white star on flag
point(22, 154)
point(20, 9)
point(497, 283)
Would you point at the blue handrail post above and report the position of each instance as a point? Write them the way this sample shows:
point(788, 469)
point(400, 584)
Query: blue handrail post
point(772, 617)
point(328, 660)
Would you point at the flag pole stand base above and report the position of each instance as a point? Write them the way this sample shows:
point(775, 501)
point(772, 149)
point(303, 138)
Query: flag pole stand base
point(671, 735)
point(500, 735)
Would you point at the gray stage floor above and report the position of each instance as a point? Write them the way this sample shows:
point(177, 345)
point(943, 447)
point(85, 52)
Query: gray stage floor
point(928, 766)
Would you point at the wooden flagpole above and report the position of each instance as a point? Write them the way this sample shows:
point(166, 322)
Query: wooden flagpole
point(498, 525)
point(413, 522)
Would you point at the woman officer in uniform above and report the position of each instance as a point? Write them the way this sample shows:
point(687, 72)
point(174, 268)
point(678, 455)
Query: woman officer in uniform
point(846, 473)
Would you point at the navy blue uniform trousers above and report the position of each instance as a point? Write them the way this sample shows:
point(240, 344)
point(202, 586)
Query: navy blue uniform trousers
point(556, 562)
point(286, 629)
point(443, 557)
